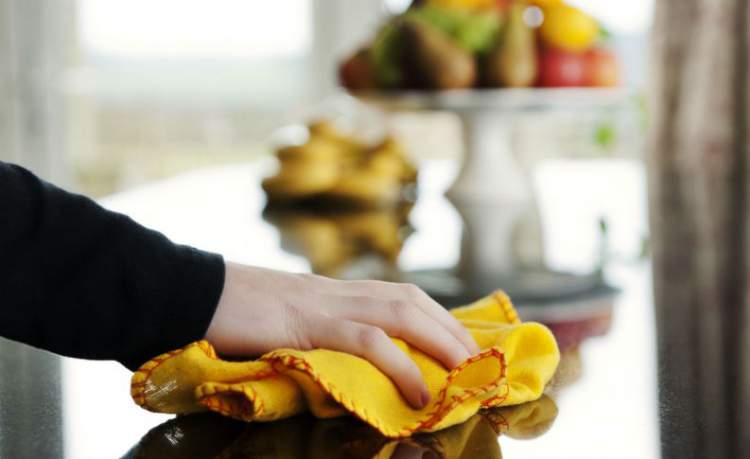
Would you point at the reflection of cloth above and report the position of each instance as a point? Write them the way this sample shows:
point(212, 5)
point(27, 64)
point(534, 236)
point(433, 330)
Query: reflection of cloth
point(206, 435)
point(516, 362)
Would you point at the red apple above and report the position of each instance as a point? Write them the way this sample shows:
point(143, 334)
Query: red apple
point(562, 68)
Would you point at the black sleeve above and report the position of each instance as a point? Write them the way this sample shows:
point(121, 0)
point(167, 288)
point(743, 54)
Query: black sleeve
point(82, 281)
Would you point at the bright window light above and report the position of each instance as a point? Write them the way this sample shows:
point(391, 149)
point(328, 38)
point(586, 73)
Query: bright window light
point(620, 17)
point(196, 28)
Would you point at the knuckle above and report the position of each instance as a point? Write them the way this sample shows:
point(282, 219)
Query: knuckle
point(399, 309)
point(412, 291)
point(368, 336)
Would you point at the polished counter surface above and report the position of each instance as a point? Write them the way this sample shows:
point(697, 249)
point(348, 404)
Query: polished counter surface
point(573, 257)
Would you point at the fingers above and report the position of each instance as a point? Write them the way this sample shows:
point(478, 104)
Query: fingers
point(441, 315)
point(406, 292)
point(370, 343)
point(401, 319)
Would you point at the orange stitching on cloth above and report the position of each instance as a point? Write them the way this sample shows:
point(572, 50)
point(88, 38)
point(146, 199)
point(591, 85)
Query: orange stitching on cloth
point(506, 307)
point(441, 411)
point(216, 404)
point(254, 377)
point(496, 399)
point(140, 376)
point(432, 419)
point(289, 361)
point(297, 363)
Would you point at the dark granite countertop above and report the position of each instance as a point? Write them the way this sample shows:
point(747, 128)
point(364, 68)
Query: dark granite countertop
point(589, 287)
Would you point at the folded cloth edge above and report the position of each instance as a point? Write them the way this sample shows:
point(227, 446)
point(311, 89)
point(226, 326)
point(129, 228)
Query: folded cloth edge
point(430, 419)
point(246, 406)
point(278, 357)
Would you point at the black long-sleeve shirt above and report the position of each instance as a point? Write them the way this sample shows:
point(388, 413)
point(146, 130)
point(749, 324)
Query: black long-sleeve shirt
point(82, 281)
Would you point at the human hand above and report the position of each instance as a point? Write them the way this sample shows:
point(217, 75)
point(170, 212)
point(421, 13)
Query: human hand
point(261, 310)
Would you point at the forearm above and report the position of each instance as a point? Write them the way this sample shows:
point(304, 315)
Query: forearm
point(81, 281)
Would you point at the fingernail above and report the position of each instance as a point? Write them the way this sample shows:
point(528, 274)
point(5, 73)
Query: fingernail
point(424, 399)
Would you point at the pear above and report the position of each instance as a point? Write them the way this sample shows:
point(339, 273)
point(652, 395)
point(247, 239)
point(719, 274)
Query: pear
point(431, 60)
point(513, 62)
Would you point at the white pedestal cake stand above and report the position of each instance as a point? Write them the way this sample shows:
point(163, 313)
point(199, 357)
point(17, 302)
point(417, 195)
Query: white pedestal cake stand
point(490, 171)
point(492, 192)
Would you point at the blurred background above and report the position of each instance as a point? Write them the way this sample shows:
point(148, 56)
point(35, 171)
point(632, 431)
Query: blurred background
point(101, 95)
point(275, 133)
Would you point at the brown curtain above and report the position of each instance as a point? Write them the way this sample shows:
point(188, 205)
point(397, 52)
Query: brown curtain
point(698, 165)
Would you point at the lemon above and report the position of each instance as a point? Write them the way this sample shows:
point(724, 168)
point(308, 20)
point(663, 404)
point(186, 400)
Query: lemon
point(544, 3)
point(568, 28)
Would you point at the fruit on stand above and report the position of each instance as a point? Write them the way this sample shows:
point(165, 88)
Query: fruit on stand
point(513, 63)
point(568, 28)
point(357, 72)
point(385, 54)
point(474, 30)
point(601, 68)
point(432, 61)
point(462, 4)
point(456, 44)
point(597, 67)
point(561, 68)
point(544, 3)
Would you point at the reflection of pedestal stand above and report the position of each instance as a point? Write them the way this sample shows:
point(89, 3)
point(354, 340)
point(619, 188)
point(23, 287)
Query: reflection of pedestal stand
point(502, 244)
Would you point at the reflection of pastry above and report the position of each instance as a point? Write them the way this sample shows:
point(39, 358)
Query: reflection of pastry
point(332, 239)
point(316, 238)
point(334, 166)
point(381, 232)
point(207, 435)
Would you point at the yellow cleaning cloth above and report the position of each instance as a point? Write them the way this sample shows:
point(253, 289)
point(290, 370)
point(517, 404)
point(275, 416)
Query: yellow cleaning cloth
point(516, 362)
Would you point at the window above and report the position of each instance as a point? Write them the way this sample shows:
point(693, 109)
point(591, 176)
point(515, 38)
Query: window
point(196, 28)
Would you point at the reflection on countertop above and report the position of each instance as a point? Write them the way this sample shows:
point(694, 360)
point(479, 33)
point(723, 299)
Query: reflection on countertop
point(341, 242)
point(207, 435)
point(606, 388)
point(502, 245)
